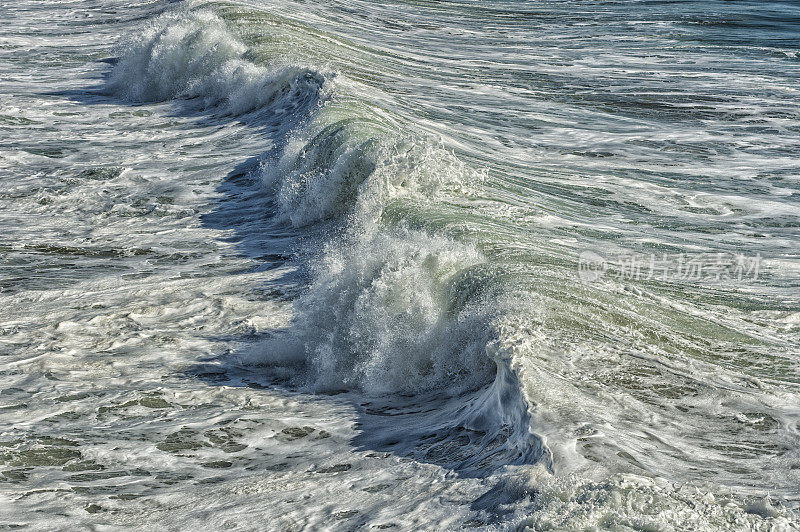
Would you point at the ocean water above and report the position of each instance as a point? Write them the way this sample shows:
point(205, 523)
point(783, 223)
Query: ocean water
point(410, 265)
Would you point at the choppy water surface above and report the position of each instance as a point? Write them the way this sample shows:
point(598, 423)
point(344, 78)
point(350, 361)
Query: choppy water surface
point(287, 265)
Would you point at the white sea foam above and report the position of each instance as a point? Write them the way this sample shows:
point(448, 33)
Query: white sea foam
point(483, 385)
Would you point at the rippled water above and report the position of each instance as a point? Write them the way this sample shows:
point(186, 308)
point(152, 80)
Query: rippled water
point(283, 265)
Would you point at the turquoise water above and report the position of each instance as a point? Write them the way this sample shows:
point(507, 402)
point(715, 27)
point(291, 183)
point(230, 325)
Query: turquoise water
point(424, 265)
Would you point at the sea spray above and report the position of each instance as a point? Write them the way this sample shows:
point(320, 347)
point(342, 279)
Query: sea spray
point(192, 55)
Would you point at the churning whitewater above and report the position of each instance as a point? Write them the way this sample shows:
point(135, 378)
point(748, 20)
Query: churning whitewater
point(275, 265)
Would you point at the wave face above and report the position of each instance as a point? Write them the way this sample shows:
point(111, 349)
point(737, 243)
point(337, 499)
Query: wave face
point(438, 245)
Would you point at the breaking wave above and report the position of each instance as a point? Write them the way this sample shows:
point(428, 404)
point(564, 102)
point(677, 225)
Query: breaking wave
point(390, 308)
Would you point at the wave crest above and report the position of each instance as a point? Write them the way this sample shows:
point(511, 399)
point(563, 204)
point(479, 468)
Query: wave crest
point(380, 316)
point(194, 56)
